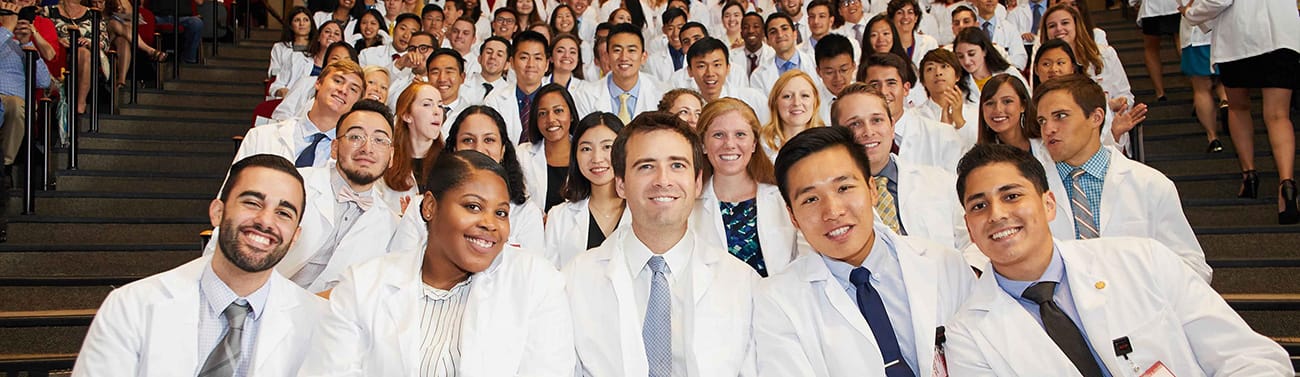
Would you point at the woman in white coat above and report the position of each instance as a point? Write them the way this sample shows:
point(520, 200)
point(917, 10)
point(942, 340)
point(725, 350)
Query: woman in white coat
point(1101, 63)
point(545, 160)
point(307, 63)
point(481, 128)
point(906, 16)
point(1257, 45)
point(466, 305)
point(592, 209)
point(740, 207)
point(417, 140)
point(973, 49)
point(794, 104)
point(298, 33)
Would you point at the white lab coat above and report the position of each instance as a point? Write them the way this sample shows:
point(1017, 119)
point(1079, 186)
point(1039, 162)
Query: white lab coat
point(567, 227)
point(740, 62)
point(927, 206)
point(1122, 287)
point(375, 227)
point(756, 99)
point(764, 77)
point(296, 67)
point(928, 142)
point(281, 55)
point(273, 138)
point(1271, 25)
point(922, 44)
point(970, 110)
point(776, 234)
point(525, 228)
point(532, 160)
point(597, 97)
point(502, 99)
point(516, 321)
point(1006, 35)
point(607, 324)
point(806, 324)
point(1136, 201)
point(469, 96)
point(151, 327)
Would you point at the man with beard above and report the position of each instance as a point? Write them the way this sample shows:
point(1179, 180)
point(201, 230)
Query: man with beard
point(345, 221)
point(178, 323)
point(653, 300)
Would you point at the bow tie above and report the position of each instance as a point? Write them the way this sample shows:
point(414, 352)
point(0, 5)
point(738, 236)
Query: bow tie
point(347, 195)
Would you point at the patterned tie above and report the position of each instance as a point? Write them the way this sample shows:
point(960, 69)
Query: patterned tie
point(753, 62)
point(885, 204)
point(1083, 218)
point(1062, 329)
point(223, 360)
point(657, 331)
point(623, 113)
point(308, 156)
point(873, 309)
point(988, 29)
point(798, 35)
point(857, 30)
point(524, 108)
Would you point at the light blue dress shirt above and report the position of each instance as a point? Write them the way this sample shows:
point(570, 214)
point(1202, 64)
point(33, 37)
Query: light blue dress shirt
point(1092, 180)
point(214, 297)
point(12, 74)
point(887, 278)
point(1056, 273)
point(783, 65)
point(614, 91)
point(303, 135)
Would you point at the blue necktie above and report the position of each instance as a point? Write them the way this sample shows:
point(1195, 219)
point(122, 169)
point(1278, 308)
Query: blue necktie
point(1037, 10)
point(308, 156)
point(988, 29)
point(873, 309)
point(786, 67)
point(657, 332)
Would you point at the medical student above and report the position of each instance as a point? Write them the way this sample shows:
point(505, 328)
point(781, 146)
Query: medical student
point(919, 139)
point(625, 92)
point(713, 74)
point(780, 34)
point(592, 209)
point(465, 304)
point(655, 299)
point(1118, 306)
point(528, 58)
point(864, 301)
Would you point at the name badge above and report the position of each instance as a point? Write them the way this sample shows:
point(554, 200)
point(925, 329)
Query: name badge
point(1158, 370)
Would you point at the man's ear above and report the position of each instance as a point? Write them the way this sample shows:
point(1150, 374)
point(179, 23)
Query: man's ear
point(216, 211)
point(1049, 201)
point(618, 187)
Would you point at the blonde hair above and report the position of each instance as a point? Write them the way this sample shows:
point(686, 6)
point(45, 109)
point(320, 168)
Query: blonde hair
point(1086, 51)
point(344, 66)
point(367, 70)
point(760, 167)
point(772, 135)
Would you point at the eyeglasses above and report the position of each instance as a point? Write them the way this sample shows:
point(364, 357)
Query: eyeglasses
point(357, 140)
point(849, 2)
point(423, 49)
point(503, 20)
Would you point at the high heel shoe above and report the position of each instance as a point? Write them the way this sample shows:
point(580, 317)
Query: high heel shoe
point(1249, 185)
point(1290, 214)
point(1215, 146)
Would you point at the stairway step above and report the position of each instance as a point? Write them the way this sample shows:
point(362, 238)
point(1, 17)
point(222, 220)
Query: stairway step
point(1223, 186)
point(180, 112)
point(104, 159)
point(92, 263)
point(43, 339)
point(1218, 163)
point(142, 182)
point(242, 88)
point(116, 205)
point(234, 74)
point(1249, 245)
point(242, 62)
point(1257, 280)
point(191, 127)
point(230, 102)
point(22, 298)
point(1273, 323)
point(233, 51)
point(26, 230)
point(1229, 215)
point(159, 143)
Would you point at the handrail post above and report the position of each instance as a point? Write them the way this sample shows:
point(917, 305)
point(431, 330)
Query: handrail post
point(248, 17)
point(95, 73)
point(114, 93)
point(70, 86)
point(135, 41)
point(47, 112)
point(29, 97)
point(215, 25)
point(176, 30)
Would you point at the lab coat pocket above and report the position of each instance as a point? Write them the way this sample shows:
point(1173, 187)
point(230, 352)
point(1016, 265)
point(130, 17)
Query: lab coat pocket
point(1153, 338)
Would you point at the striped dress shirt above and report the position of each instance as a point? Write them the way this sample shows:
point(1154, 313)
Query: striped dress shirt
point(440, 324)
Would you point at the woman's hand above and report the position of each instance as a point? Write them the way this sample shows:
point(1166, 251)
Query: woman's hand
point(1118, 104)
point(1126, 119)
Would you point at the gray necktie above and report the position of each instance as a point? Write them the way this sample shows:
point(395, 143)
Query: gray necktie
point(1083, 217)
point(223, 360)
point(657, 331)
point(316, 265)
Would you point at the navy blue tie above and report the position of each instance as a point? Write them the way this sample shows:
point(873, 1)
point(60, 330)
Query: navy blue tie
point(873, 309)
point(308, 156)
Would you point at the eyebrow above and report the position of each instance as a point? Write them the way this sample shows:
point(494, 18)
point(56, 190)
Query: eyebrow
point(261, 196)
point(1003, 188)
point(808, 188)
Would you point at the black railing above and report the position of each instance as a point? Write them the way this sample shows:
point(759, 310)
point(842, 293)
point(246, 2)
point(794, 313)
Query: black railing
point(135, 43)
point(51, 131)
point(215, 23)
point(176, 42)
point(29, 93)
point(70, 88)
point(92, 111)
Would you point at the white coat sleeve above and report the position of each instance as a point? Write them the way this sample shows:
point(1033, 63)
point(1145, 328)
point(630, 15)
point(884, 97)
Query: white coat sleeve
point(963, 354)
point(113, 345)
point(552, 235)
point(1171, 228)
point(526, 228)
point(340, 344)
point(1223, 344)
point(779, 352)
point(1204, 10)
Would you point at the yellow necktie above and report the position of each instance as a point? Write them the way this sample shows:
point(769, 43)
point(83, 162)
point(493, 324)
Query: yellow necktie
point(623, 114)
point(885, 204)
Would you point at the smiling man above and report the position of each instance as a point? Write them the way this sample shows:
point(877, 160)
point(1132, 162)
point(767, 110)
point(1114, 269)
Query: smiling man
point(1100, 307)
point(529, 57)
point(879, 298)
point(305, 139)
point(225, 313)
point(781, 35)
point(653, 300)
point(710, 67)
point(754, 50)
point(917, 138)
point(623, 92)
point(446, 71)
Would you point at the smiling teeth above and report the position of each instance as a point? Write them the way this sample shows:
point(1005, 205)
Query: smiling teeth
point(662, 199)
point(1005, 233)
point(480, 242)
point(838, 231)
point(552, 128)
point(999, 119)
point(729, 157)
point(259, 239)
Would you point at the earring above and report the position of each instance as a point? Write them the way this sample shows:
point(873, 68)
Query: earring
point(1022, 121)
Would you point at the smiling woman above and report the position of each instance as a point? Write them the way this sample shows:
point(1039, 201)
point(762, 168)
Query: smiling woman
point(426, 310)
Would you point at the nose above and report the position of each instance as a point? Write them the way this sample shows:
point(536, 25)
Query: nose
point(833, 209)
point(997, 212)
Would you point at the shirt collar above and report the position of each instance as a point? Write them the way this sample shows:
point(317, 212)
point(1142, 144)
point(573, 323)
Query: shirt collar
point(307, 130)
point(1096, 165)
point(1055, 272)
point(793, 59)
point(218, 295)
point(519, 93)
point(614, 90)
point(431, 293)
point(890, 170)
point(881, 260)
point(677, 257)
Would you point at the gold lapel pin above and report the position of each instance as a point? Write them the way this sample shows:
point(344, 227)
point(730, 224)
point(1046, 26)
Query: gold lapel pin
point(1100, 285)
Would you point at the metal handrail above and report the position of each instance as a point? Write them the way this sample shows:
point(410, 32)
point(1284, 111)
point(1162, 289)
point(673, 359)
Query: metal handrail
point(70, 87)
point(95, 74)
point(135, 43)
point(48, 123)
point(176, 31)
point(29, 92)
point(215, 24)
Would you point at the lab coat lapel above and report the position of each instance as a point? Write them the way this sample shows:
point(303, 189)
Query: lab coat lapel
point(276, 324)
point(404, 289)
point(818, 273)
point(320, 194)
point(1090, 298)
point(284, 134)
point(477, 333)
point(176, 322)
point(712, 214)
point(1013, 333)
point(922, 296)
point(629, 320)
point(1118, 172)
